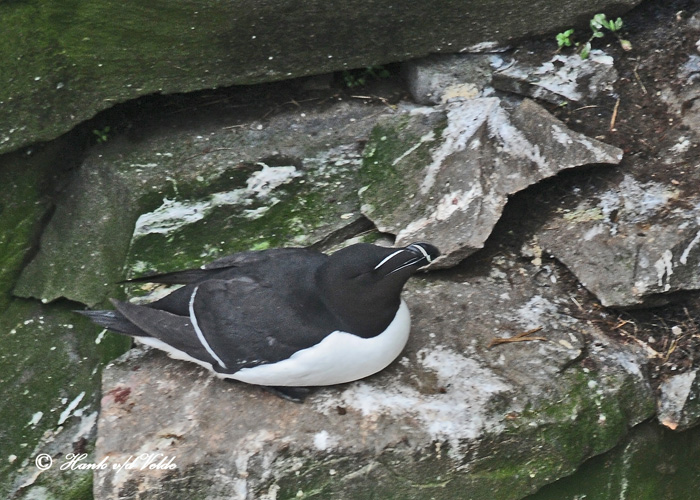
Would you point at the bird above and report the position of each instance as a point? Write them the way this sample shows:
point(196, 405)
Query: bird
point(286, 319)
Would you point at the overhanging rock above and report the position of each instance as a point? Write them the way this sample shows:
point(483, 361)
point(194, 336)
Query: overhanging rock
point(444, 174)
point(63, 63)
point(562, 77)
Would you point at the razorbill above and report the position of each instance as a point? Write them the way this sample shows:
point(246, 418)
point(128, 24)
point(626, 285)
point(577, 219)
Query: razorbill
point(287, 318)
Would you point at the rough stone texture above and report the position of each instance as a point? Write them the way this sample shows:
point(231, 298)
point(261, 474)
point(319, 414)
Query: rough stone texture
point(679, 401)
point(688, 92)
point(631, 244)
point(65, 62)
point(167, 188)
point(49, 362)
point(78, 245)
point(21, 211)
point(651, 463)
point(438, 78)
point(450, 417)
point(634, 241)
point(444, 174)
point(49, 383)
point(562, 77)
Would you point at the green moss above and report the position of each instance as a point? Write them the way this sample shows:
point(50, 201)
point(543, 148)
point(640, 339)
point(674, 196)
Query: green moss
point(552, 440)
point(22, 208)
point(49, 358)
point(57, 484)
point(541, 445)
point(398, 151)
point(76, 61)
point(81, 489)
point(49, 355)
point(587, 408)
point(652, 463)
point(296, 214)
point(65, 485)
point(379, 173)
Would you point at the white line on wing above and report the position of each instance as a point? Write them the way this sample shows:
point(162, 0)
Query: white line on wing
point(200, 335)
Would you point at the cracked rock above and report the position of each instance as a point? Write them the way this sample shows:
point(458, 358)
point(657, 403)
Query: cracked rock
point(444, 174)
point(562, 77)
point(630, 244)
point(448, 404)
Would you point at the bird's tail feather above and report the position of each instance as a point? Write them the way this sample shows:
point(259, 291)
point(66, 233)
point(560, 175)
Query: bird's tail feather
point(114, 321)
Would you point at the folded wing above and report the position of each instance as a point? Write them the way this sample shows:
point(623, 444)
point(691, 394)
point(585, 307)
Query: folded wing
point(233, 324)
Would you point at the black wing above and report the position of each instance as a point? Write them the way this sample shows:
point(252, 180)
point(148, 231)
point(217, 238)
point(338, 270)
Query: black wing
point(176, 331)
point(234, 324)
point(252, 263)
point(248, 324)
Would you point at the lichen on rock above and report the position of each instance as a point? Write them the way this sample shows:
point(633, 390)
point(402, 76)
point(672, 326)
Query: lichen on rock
point(444, 174)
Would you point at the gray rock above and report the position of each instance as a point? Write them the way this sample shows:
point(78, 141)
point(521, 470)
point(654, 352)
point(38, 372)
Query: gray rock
point(444, 174)
point(450, 415)
point(630, 245)
point(64, 63)
point(81, 251)
point(562, 77)
point(680, 99)
point(50, 359)
point(439, 78)
point(132, 202)
point(21, 211)
point(636, 242)
point(643, 462)
point(679, 401)
point(450, 419)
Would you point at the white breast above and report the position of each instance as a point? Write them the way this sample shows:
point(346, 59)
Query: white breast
point(341, 357)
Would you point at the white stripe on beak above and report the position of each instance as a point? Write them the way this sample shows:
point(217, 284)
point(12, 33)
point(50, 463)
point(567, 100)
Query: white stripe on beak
point(422, 250)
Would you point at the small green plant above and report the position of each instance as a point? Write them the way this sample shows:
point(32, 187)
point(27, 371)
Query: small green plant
point(598, 23)
point(102, 135)
point(564, 38)
point(360, 77)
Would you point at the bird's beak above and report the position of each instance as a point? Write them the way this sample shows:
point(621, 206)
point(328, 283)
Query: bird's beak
point(422, 255)
point(424, 251)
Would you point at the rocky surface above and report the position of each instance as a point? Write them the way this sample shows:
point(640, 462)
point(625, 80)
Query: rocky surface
point(560, 79)
point(450, 417)
point(65, 63)
point(678, 401)
point(216, 173)
point(51, 361)
point(611, 244)
point(652, 462)
point(444, 174)
point(439, 78)
point(133, 199)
